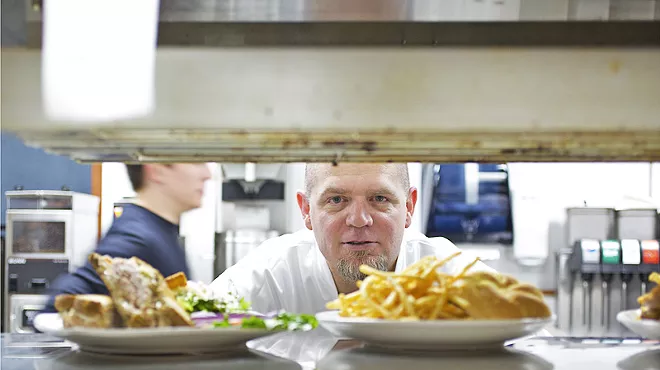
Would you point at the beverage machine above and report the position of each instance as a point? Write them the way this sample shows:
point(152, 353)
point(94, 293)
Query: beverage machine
point(48, 233)
point(605, 269)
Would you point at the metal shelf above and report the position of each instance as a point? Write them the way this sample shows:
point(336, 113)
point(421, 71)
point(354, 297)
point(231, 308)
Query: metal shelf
point(348, 104)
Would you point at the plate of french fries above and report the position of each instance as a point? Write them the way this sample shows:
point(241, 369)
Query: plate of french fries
point(424, 308)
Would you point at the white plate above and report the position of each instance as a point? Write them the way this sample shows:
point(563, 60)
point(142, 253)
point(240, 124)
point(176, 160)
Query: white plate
point(431, 335)
point(649, 329)
point(175, 340)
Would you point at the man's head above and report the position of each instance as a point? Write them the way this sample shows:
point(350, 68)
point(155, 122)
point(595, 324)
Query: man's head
point(358, 213)
point(180, 185)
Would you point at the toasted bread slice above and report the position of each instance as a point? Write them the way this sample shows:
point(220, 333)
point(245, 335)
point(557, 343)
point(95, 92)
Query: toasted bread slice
point(492, 296)
point(176, 281)
point(139, 292)
point(87, 310)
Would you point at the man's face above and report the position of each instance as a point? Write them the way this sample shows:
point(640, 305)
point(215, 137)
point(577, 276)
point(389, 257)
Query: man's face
point(358, 213)
point(183, 183)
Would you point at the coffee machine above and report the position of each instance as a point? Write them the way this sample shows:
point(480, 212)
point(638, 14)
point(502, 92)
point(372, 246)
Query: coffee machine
point(251, 193)
point(48, 233)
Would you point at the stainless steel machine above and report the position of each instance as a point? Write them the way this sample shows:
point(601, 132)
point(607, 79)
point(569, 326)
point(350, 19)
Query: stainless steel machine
point(2, 280)
point(604, 268)
point(251, 193)
point(48, 233)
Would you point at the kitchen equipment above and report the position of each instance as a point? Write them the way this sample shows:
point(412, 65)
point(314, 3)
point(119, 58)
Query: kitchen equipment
point(51, 224)
point(650, 260)
point(637, 224)
point(566, 280)
point(2, 280)
point(590, 265)
point(604, 271)
point(24, 308)
point(631, 257)
point(251, 181)
point(49, 233)
point(232, 245)
point(251, 193)
point(590, 223)
point(585, 227)
point(610, 265)
point(471, 204)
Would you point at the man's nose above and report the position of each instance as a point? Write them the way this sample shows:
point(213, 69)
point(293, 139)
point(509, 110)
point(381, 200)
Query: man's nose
point(358, 215)
point(207, 173)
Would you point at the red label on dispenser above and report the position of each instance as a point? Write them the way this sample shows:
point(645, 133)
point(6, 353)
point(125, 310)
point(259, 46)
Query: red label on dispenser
point(650, 252)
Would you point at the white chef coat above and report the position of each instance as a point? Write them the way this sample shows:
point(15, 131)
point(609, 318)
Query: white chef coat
point(290, 273)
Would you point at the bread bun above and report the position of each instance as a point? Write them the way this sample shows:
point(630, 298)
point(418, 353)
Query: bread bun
point(87, 310)
point(487, 295)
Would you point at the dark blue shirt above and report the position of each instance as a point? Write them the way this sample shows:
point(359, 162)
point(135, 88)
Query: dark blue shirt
point(137, 232)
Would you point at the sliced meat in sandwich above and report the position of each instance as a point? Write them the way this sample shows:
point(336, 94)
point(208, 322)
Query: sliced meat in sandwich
point(139, 292)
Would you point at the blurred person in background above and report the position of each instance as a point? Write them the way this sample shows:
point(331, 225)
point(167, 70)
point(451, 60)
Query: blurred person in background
point(148, 228)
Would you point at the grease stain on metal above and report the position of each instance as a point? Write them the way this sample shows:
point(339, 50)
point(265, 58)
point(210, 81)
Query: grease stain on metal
point(615, 66)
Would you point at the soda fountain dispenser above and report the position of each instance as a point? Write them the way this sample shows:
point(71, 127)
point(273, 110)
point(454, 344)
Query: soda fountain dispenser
point(650, 262)
point(610, 266)
point(631, 257)
point(590, 265)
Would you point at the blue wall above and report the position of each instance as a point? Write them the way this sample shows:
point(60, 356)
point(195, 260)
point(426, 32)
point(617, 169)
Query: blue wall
point(34, 169)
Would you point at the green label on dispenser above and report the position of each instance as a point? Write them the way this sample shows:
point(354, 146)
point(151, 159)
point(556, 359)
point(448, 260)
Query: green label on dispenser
point(611, 252)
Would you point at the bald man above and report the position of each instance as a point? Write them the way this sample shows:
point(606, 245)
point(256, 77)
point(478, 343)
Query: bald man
point(354, 214)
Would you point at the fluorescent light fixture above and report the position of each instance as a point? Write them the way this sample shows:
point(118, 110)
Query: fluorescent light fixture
point(98, 59)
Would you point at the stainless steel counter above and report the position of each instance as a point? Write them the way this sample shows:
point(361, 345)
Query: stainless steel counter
point(319, 350)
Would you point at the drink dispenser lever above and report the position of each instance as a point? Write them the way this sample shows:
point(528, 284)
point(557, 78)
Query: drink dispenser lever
point(574, 265)
point(650, 261)
point(631, 257)
point(590, 266)
point(610, 266)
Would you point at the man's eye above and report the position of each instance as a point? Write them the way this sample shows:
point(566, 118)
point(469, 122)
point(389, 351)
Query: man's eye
point(380, 198)
point(335, 200)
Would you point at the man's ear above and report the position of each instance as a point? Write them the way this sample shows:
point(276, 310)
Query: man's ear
point(153, 173)
point(411, 201)
point(303, 204)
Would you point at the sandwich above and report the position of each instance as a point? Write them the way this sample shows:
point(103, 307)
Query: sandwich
point(650, 302)
point(87, 311)
point(139, 292)
point(485, 295)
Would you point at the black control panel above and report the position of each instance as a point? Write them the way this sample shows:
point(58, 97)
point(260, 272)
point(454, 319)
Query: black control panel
point(33, 276)
point(610, 257)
